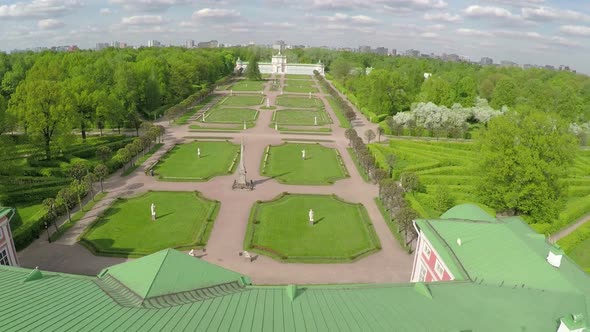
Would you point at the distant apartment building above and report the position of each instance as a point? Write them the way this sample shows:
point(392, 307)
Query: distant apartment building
point(381, 50)
point(507, 63)
point(189, 43)
point(393, 52)
point(565, 68)
point(7, 250)
point(101, 46)
point(153, 43)
point(412, 53)
point(451, 57)
point(208, 44)
point(485, 61)
point(365, 49)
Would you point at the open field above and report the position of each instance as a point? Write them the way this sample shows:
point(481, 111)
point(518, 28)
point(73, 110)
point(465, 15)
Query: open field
point(231, 115)
point(184, 220)
point(301, 117)
point(299, 102)
point(342, 231)
point(245, 85)
point(183, 164)
point(242, 100)
point(322, 165)
point(453, 164)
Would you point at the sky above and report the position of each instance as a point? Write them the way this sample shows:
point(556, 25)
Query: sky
point(525, 31)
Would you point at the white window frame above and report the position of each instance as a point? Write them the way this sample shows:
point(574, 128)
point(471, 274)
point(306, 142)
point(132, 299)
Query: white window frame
point(439, 269)
point(1, 233)
point(427, 251)
point(422, 273)
point(4, 259)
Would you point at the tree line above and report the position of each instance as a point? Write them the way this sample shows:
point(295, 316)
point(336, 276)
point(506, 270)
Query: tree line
point(47, 95)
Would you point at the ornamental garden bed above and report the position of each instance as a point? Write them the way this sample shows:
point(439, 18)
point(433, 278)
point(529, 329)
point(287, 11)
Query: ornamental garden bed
point(342, 231)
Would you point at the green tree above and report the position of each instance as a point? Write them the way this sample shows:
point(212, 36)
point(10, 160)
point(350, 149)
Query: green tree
point(78, 170)
point(410, 181)
point(52, 209)
point(65, 198)
point(505, 93)
point(443, 198)
point(101, 172)
point(523, 159)
point(253, 71)
point(41, 104)
point(103, 153)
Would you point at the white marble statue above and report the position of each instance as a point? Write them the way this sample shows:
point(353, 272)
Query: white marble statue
point(267, 102)
point(153, 208)
point(311, 221)
point(199, 152)
point(315, 120)
point(310, 95)
point(303, 154)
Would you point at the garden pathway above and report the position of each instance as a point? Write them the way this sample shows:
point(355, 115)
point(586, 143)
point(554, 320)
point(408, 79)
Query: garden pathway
point(569, 229)
point(391, 264)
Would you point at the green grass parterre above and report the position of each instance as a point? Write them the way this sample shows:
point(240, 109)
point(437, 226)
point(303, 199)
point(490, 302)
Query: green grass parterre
point(245, 85)
point(299, 102)
point(322, 165)
point(182, 163)
point(301, 117)
point(184, 220)
point(230, 115)
point(342, 231)
point(242, 100)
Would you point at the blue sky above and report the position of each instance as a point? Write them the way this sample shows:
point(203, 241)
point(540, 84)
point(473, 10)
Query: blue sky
point(526, 31)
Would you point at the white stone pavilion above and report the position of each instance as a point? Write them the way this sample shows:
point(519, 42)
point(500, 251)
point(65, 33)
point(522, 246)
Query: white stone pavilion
point(279, 65)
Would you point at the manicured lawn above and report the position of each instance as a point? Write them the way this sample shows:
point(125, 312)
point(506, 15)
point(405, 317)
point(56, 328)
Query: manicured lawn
point(322, 165)
point(299, 102)
point(245, 85)
point(300, 89)
point(344, 123)
point(30, 212)
point(295, 76)
point(77, 216)
point(281, 229)
point(182, 163)
point(242, 100)
point(184, 220)
point(231, 115)
point(301, 117)
point(302, 83)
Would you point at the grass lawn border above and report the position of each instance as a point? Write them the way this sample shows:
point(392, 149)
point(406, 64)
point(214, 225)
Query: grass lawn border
point(229, 171)
point(226, 97)
point(201, 238)
point(392, 224)
point(274, 254)
point(344, 123)
point(237, 109)
point(328, 181)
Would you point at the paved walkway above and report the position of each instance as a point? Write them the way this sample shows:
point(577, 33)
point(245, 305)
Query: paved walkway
point(391, 264)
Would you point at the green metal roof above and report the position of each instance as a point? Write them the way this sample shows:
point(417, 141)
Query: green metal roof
point(166, 272)
point(5, 210)
point(467, 212)
point(60, 302)
point(500, 253)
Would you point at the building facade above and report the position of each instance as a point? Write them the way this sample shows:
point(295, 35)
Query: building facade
point(428, 265)
point(7, 250)
point(279, 65)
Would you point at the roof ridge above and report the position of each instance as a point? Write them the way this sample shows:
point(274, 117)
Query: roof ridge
point(156, 275)
point(456, 259)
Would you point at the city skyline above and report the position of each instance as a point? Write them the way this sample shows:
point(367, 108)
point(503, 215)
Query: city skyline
point(526, 31)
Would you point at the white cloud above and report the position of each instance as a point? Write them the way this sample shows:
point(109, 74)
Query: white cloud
point(576, 30)
point(517, 3)
point(348, 19)
point(215, 14)
point(445, 17)
point(429, 35)
point(495, 13)
point(149, 5)
point(39, 8)
point(143, 20)
point(105, 11)
point(50, 24)
point(473, 32)
point(414, 4)
point(553, 14)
